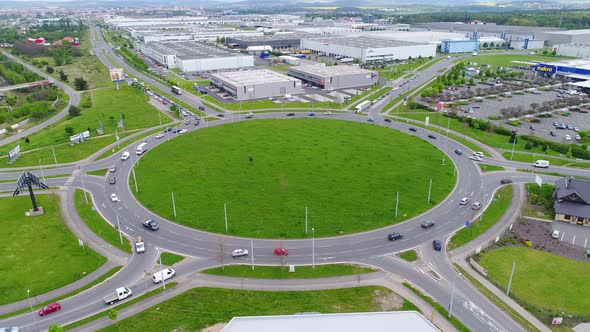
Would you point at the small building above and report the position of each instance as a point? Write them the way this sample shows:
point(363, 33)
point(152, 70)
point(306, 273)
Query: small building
point(341, 322)
point(459, 46)
point(334, 77)
point(256, 84)
point(572, 201)
point(527, 44)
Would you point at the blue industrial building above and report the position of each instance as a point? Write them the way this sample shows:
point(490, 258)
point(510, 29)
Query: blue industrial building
point(459, 46)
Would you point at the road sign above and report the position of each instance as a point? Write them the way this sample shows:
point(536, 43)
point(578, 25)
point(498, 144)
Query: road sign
point(12, 154)
point(468, 223)
point(538, 180)
point(427, 121)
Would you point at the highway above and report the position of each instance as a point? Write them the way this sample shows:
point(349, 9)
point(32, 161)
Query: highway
point(371, 247)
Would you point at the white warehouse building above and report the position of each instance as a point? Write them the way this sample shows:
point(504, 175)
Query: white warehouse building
point(194, 56)
point(368, 49)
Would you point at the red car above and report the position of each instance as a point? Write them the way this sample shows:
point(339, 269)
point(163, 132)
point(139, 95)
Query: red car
point(281, 252)
point(49, 309)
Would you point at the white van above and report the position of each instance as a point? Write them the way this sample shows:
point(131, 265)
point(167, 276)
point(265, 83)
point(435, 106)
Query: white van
point(141, 148)
point(167, 273)
point(541, 163)
point(125, 155)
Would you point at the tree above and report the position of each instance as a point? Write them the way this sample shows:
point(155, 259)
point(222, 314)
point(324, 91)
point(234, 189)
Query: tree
point(63, 76)
point(553, 53)
point(27, 140)
point(492, 44)
point(569, 153)
point(69, 130)
point(80, 84)
point(55, 328)
point(113, 314)
point(74, 111)
point(50, 70)
point(485, 45)
point(545, 52)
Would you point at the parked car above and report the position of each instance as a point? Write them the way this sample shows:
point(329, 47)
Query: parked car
point(167, 130)
point(505, 181)
point(182, 131)
point(328, 113)
point(371, 120)
point(431, 136)
point(428, 224)
point(114, 197)
point(201, 108)
point(239, 253)
point(567, 137)
point(475, 158)
point(569, 127)
point(552, 133)
point(394, 236)
point(576, 129)
point(113, 180)
point(555, 234)
point(52, 307)
point(578, 137)
point(187, 122)
point(476, 206)
point(413, 129)
point(281, 252)
point(220, 115)
point(478, 154)
point(436, 245)
point(459, 152)
point(464, 201)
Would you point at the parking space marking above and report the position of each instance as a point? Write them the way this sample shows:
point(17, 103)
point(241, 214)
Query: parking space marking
point(574, 239)
point(562, 235)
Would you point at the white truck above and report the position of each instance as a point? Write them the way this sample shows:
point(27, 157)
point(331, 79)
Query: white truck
point(141, 148)
point(121, 293)
point(363, 106)
point(139, 245)
point(541, 164)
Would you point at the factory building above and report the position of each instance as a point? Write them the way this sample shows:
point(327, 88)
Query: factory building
point(194, 56)
point(256, 84)
point(527, 44)
point(334, 77)
point(565, 37)
point(277, 41)
point(194, 33)
point(367, 49)
point(459, 46)
point(575, 50)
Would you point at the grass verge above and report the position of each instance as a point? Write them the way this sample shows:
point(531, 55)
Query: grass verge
point(97, 224)
point(441, 310)
point(170, 259)
point(301, 272)
point(122, 305)
point(531, 158)
point(409, 255)
point(203, 307)
point(490, 168)
point(98, 172)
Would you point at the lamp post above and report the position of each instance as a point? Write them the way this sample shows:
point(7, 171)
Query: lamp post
point(31, 306)
point(453, 295)
point(313, 248)
point(162, 271)
point(41, 169)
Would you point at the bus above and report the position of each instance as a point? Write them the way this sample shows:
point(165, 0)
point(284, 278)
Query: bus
point(177, 90)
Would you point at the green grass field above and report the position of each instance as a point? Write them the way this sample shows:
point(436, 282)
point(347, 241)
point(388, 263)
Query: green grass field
point(346, 173)
point(170, 259)
point(202, 307)
point(39, 253)
point(490, 168)
point(540, 279)
point(491, 215)
point(301, 272)
point(108, 106)
point(409, 255)
point(97, 224)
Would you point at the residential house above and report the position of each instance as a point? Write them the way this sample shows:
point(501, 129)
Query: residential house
point(572, 201)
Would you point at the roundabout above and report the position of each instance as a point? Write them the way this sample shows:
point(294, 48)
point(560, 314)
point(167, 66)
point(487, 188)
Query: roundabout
point(267, 173)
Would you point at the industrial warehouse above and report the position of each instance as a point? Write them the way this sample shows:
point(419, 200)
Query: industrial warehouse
point(276, 41)
point(368, 49)
point(334, 77)
point(256, 84)
point(194, 56)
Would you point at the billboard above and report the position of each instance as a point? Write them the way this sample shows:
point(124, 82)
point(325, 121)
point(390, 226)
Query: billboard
point(547, 69)
point(116, 74)
point(14, 152)
point(80, 137)
point(440, 106)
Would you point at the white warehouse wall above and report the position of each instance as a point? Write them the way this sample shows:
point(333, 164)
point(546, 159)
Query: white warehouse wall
point(191, 65)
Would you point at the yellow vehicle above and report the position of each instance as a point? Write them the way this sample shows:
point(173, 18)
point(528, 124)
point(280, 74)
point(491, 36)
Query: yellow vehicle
point(305, 52)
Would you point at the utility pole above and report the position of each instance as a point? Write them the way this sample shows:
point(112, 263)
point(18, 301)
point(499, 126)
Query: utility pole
point(119, 228)
point(396, 203)
point(162, 271)
point(429, 190)
point(225, 211)
point(173, 205)
point(510, 281)
point(306, 220)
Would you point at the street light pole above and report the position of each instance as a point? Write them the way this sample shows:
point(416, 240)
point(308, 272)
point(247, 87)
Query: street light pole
point(41, 169)
point(513, 144)
point(453, 295)
point(162, 271)
point(31, 306)
point(313, 248)
point(84, 186)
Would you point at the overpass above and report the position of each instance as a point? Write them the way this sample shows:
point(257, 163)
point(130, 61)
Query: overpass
point(27, 85)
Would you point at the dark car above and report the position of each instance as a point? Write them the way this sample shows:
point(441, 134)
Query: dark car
point(52, 307)
point(151, 224)
point(201, 108)
point(413, 129)
point(220, 115)
point(428, 224)
point(168, 129)
point(196, 123)
point(394, 236)
point(436, 245)
point(290, 114)
point(113, 180)
point(552, 133)
point(505, 181)
point(459, 152)
point(387, 120)
point(311, 114)
point(431, 136)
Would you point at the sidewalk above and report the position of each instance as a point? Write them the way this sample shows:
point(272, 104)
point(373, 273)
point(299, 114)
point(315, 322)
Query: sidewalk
point(461, 254)
point(203, 280)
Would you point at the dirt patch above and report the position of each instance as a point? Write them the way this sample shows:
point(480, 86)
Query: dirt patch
point(388, 301)
point(539, 234)
point(215, 328)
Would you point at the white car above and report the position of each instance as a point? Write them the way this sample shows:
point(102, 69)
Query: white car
point(125, 155)
point(476, 158)
point(239, 253)
point(555, 234)
point(328, 113)
point(478, 154)
point(464, 201)
point(182, 131)
point(165, 274)
point(568, 137)
point(158, 136)
point(476, 206)
point(114, 197)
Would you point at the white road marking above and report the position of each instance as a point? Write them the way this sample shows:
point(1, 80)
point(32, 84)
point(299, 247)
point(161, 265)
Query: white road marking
point(562, 235)
point(585, 242)
point(574, 239)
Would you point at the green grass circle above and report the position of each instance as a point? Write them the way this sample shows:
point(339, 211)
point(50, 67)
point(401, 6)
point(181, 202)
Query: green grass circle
point(347, 174)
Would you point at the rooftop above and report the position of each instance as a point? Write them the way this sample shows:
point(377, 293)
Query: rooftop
point(576, 63)
point(362, 41)
point(253, 77)
point(289, 36)
point(570, 32)
point(330, 71)
point(369, 321)
point(190, 50)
